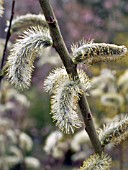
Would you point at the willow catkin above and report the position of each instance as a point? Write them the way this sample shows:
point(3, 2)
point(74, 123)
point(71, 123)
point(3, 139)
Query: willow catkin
point(23, 54)
point(25, 21)
point(90, 52)
point(64, 105)
point(114, 132)
point(65, 95)
point(97, 162)
point(1, 8)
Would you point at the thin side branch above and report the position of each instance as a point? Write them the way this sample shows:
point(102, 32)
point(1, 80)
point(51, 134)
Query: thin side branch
point(7, 39)
point(60, 47)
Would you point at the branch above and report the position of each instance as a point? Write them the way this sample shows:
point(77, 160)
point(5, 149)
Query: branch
point(60, 47)
point(6, 42)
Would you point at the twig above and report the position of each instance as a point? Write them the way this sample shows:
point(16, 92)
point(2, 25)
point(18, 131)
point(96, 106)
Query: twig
point(121, 161)
point(61, 48)
point(7, 39)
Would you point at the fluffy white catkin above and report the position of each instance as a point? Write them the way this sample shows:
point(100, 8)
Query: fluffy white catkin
point(23, 54)
point(65, 95)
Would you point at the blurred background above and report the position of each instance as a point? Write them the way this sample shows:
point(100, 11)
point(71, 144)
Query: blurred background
point(28, 137)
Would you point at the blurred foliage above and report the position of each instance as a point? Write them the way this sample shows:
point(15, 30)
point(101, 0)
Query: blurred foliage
point(40, 107)
point(101, 20)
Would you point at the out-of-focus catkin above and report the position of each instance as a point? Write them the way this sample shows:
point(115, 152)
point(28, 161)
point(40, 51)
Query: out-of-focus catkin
point(1, 8)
